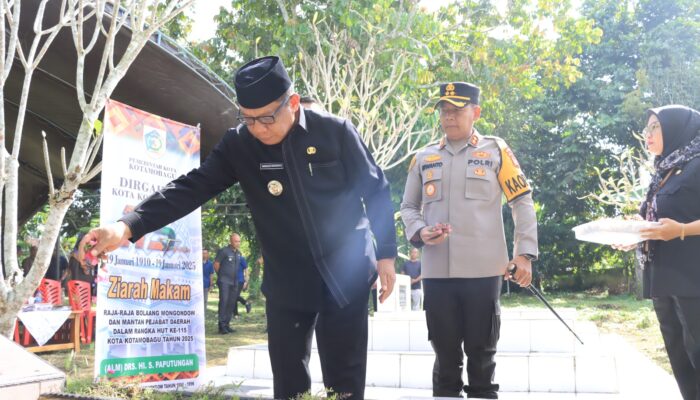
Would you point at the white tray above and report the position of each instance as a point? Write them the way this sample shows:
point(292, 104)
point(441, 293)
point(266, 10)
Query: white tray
point(612, 231)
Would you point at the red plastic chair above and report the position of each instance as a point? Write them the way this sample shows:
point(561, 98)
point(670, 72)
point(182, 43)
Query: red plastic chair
point(50, 291)
point(80, 299)
point(17, 332)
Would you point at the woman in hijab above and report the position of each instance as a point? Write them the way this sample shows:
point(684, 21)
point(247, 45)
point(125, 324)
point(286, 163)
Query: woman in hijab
point(670, 253)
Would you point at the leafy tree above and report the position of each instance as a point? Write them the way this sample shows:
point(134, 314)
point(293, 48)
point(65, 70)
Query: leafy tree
point(519, 56)
point(644, 58)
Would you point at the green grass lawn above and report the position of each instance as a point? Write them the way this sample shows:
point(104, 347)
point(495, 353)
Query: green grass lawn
point(624, 315)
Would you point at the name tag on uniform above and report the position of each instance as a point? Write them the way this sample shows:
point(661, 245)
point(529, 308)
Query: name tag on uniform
point(271, 166)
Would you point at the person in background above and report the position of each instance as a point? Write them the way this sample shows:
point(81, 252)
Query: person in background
point(412, 269)
point(226, 264)
point(311, 103)
point(242, 286)
point(58, 266)
point(79, 270)
point(27, 262)
point(207, 273)
point(669, 253)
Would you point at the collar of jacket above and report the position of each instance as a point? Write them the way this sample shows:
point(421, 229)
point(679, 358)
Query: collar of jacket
point(302, 119)
point(473, 140)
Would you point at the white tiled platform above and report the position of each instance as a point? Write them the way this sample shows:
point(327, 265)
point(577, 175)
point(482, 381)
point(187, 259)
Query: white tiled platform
point(555, 372)
point(537, 356)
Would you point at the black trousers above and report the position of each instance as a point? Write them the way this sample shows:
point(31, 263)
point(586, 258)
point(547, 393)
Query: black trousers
point(463, 315)
point(679, 319)
point(239, 298)
point(227, 301)
point(341, 335)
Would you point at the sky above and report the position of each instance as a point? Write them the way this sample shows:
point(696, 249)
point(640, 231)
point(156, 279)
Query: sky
point(205, 10)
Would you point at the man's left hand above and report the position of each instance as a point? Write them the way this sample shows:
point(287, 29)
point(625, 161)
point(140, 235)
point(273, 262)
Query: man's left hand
point(523, 272)
point(387, 277)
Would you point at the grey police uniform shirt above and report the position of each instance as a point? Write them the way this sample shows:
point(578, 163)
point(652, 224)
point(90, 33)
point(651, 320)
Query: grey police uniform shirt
point(465, 187)
point(229, 260)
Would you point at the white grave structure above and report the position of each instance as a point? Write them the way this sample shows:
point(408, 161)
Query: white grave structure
point(400, 298)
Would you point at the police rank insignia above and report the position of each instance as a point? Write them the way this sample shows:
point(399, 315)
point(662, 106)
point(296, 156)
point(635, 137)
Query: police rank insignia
point(474, 140)
point(311, 150)
point(275, 188)
point(430, 189)
point(510, 154)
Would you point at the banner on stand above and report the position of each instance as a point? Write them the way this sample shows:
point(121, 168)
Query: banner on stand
point(150, 327)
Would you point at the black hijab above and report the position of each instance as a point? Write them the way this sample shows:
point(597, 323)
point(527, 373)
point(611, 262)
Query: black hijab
point(679, 126)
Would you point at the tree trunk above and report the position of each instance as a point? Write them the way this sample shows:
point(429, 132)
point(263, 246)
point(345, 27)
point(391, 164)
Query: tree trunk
point(12, 303)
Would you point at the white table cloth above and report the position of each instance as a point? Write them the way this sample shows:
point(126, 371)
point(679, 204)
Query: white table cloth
point(43, 324)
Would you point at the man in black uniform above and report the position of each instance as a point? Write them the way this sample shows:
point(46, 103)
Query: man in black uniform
point(314, 192)
point(226, 265)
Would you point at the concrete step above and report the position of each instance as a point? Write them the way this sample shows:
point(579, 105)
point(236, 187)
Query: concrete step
point(634, 376)
point(516, 372)
point(521, 332)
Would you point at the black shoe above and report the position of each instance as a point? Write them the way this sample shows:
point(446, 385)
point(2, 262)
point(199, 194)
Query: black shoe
point(248, 307)
point(223, 331)
point(229, 329)
point(482, 392)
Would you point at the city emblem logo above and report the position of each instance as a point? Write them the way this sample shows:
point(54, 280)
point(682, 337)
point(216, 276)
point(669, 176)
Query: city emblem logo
point(154, 139)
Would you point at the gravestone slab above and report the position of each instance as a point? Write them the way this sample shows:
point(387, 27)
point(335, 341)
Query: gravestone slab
point(24, 375)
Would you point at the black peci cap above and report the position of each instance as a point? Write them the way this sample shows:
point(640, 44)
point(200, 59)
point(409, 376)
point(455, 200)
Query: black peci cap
point(459, 94)
point(261, 81)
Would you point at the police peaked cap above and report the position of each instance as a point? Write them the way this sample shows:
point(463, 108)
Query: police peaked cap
point(459, 94)
point(261, 81)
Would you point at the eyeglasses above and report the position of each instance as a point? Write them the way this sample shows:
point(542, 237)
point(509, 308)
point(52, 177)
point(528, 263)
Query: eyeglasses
point(649, 129)
point(444, 112)
point(263, 119)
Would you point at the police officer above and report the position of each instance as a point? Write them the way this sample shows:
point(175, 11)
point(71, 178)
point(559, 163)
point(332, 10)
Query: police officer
point(228, 263)
point(452, 206)
point(314, 192)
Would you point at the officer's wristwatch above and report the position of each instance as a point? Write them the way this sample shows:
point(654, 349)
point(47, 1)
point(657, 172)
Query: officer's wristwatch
point(530, 257)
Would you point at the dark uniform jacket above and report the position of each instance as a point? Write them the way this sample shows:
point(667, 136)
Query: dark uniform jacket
point(317, 230)
point(675, 269)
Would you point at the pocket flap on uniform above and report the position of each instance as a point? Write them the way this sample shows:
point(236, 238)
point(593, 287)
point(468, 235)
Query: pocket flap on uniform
point(432, 174)
point(477, 173)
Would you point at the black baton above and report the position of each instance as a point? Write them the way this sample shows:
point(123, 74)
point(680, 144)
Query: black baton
point(511, 272)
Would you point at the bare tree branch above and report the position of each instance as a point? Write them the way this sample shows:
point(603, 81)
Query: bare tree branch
point(47, 164)
point(143, 19)
point(352, 82)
